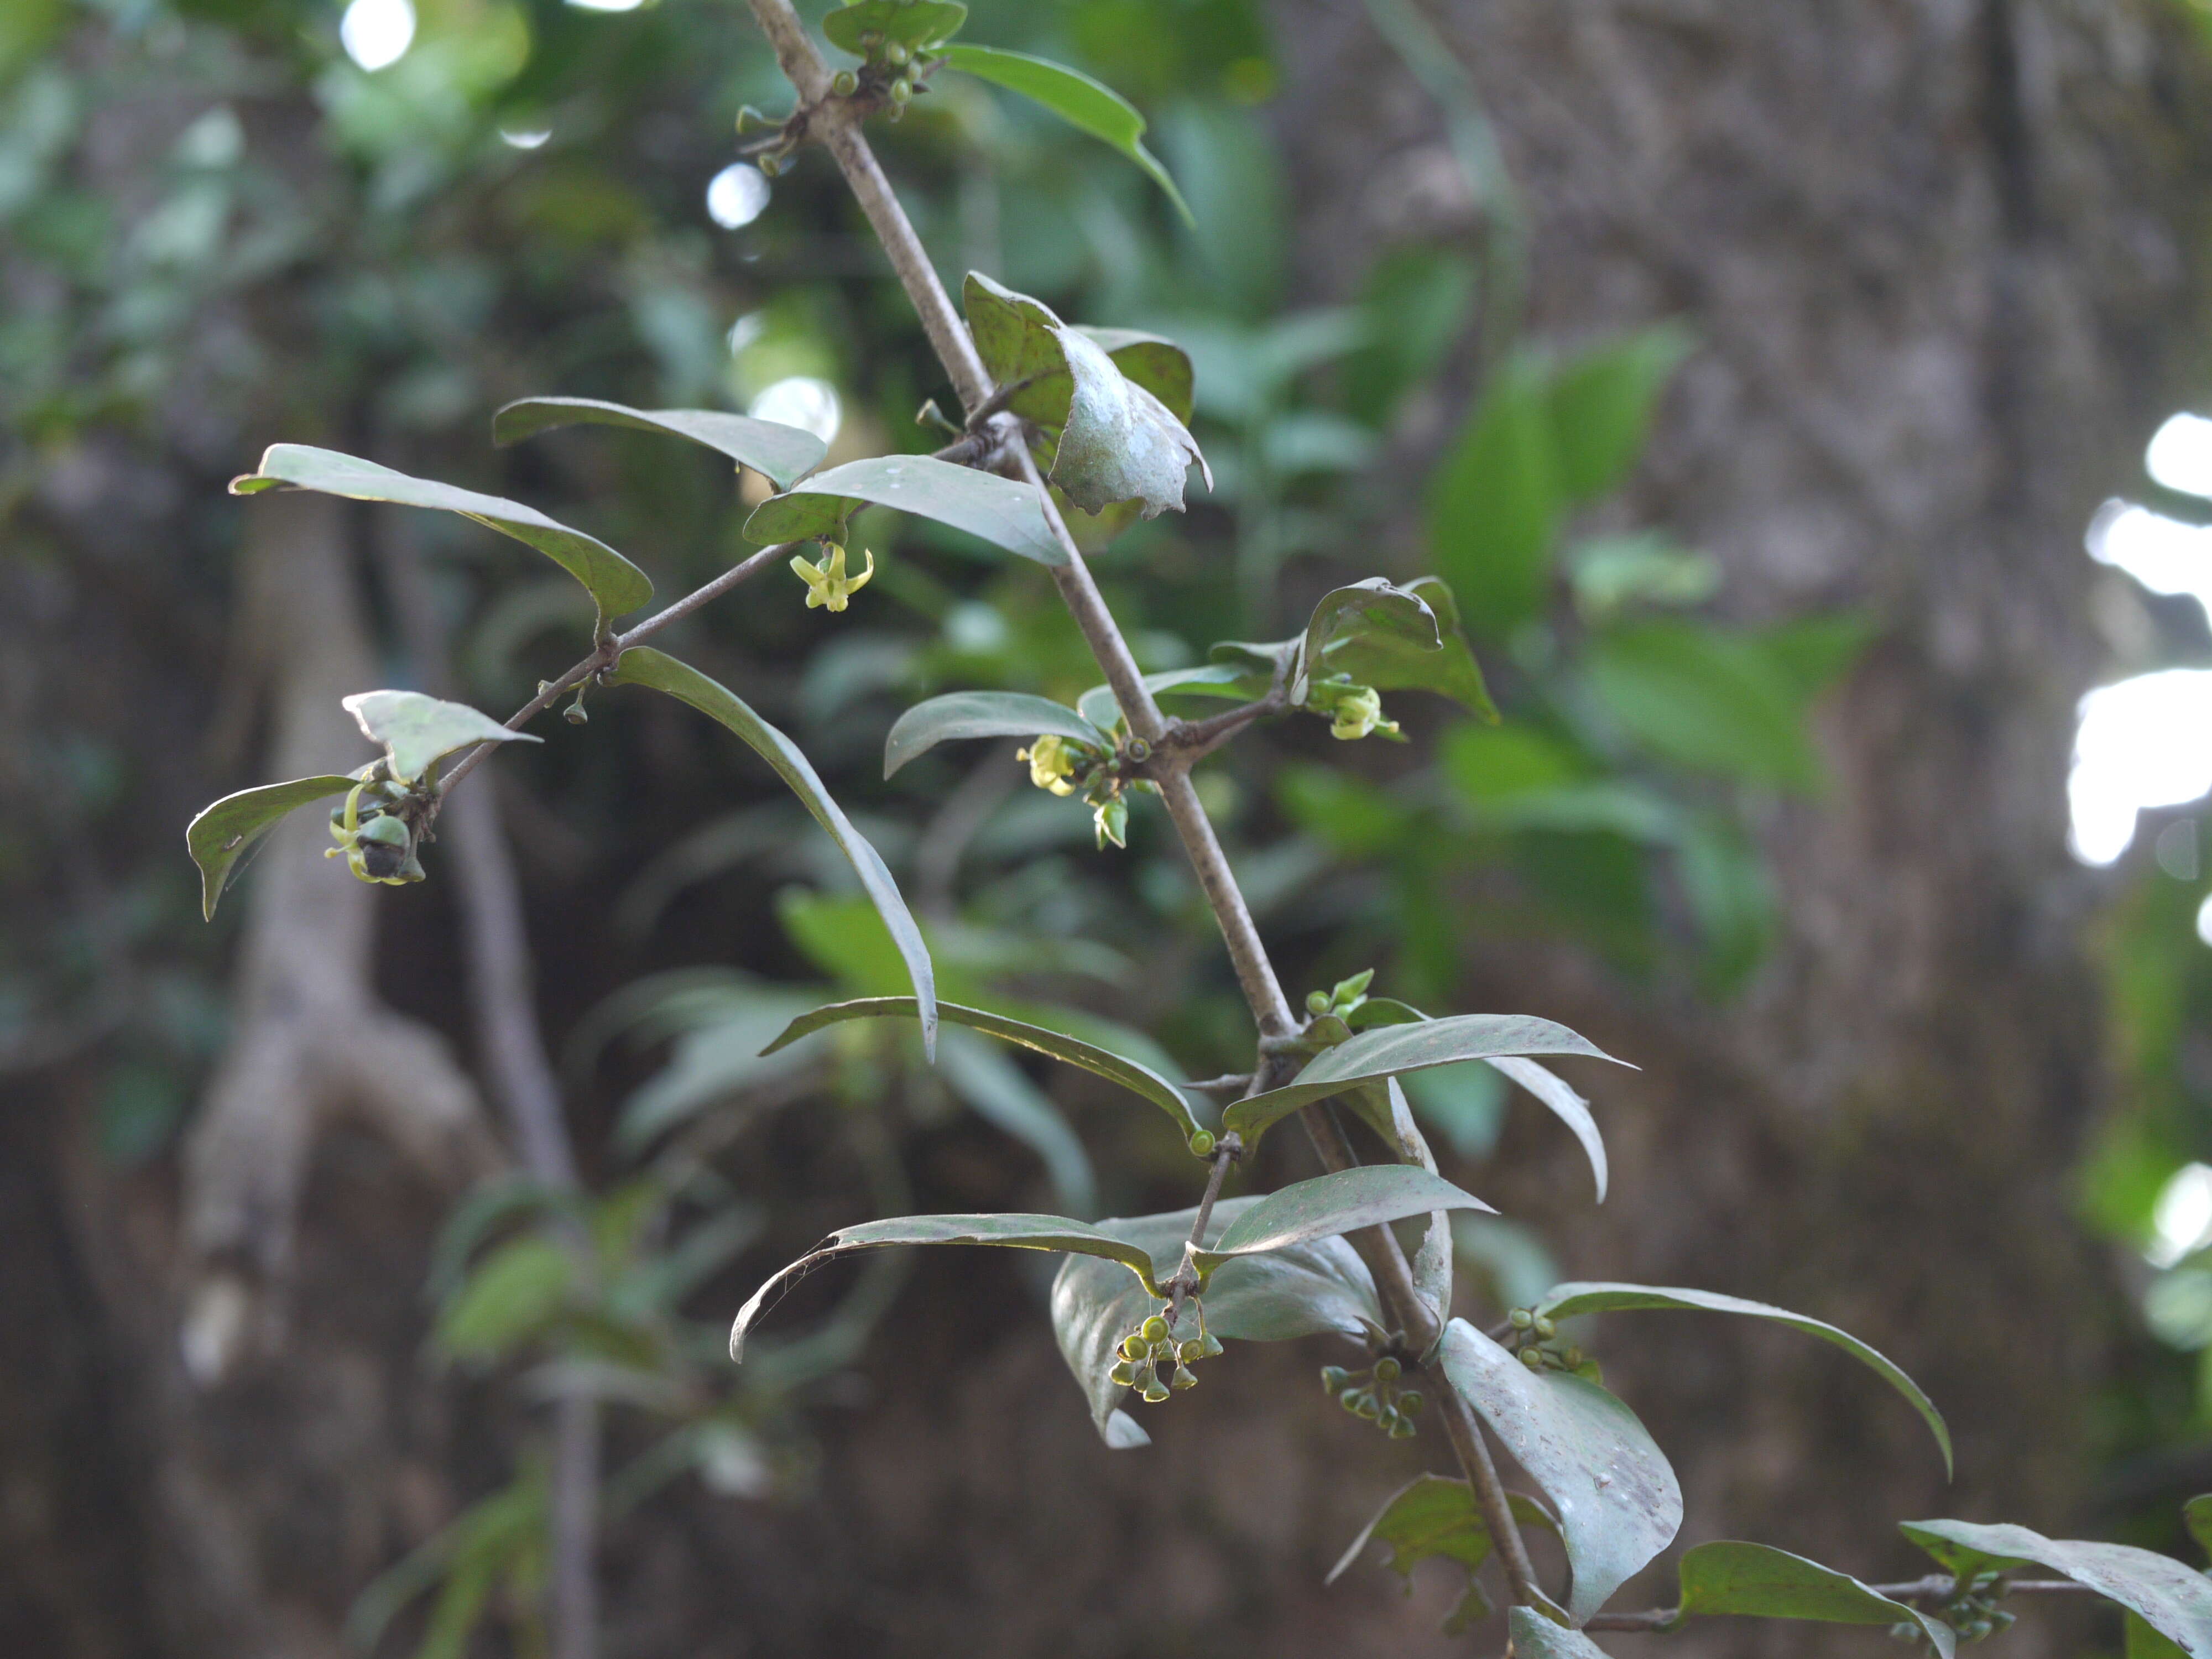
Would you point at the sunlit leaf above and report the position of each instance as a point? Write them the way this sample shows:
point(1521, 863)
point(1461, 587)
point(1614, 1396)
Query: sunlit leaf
point(228, 830)
point(1565, 1301)
point(1007, 514)
point(646, 666)
point(1615, 1494)
point(1763, 1583)
point(2174, 1599)
point(615, 584)
point(1139, 1079)
point(781, 453)
point(983, 714)
point(418, 732)
point(1082, 102)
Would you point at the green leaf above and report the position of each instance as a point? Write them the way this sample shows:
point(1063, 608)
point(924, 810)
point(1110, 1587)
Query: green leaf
point(1082, 103)
point(418, 732)
point(997, 510)
point(616, 585)
point(1565, 1301)
point(996, 1090)
point(1706, 697)
point(1617, 1499)
point(1762, 1583)
point(2197, 1515)
point(983, 714)
point(1112, 441)
point(915, 24)
point(512, 1293)
point(1019, 1232)
point(1150, 360)
point(1601, 407)
point(1139, 1079)
point(646, 666)
point(1342, 1201)
point(781, 453)
point(1306, 1290)
point(2173, 1599)
point(229, 829)
point(1569, 1108)
point(1434, 1516)
point(712, 1063)
point(1393, 663)
point(2142, 1642)
point(1495, 503)
point(1535, 1637)
point(1393, 1050)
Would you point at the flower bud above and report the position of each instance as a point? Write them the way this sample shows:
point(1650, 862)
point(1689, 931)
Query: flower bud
point(1153, 1329)
point(1410, 1401)
point(1133, 1346)
point(1210, 1346)
point(1386, 1370)
point(1335, 1378)
point(1155, 1391)
point(1532, 1358)
point(845, 83)
point(1403, 1429)
point(1316, 1002)
point(1190, 1350)
point(1353, 1399)
point(898, 54)
point(574, 714)
point(1123, 1373)
point(1184, 1378)
point(1369, 1407)
point(1545, 1329)
point(1202, 1143)
point(902, 90)
point(1520, 1319)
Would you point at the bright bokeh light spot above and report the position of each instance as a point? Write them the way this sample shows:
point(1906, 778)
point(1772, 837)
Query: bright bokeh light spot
point(530, 138)
point(2145, 742)
point(607, 5)
point(804, 401)
point(2163, 554)
point(2180, 455)
point(376, 33)
point(2183, 1215)
point(736, 195)
point(747, 329)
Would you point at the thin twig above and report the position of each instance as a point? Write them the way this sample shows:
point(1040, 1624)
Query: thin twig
point(1936, 1587)
point(1192, 740)
point(1184, 1280)
point(1235, 1082)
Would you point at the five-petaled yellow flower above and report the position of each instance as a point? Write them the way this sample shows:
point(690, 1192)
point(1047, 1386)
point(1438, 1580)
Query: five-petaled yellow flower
point(828, 586)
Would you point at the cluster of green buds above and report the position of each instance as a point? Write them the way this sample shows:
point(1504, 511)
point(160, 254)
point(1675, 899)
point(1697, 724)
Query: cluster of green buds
point(1153, 1348)
point(1535, 1338)
point(374, 828)
point(1972, 1609)
point(828, 586)
point(1353, 711)
point(1063, 765)
point(1327, 1008)
point(1375, 1395)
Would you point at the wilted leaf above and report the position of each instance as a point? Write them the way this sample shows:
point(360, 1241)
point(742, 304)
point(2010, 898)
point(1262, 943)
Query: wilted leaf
point(1393, 1050)
point(230, 829)
point(1305, 1290)
point(646, 666)
point(2173, 1599)
point(1763, 1583)
point(982, 714)
point(418, 732)
point(615, 584)
point(1082, 102)
point(1007, 514)
point(779, 452)
point(1617, 1499)
point(1139, 1080)
point(1566, 1301)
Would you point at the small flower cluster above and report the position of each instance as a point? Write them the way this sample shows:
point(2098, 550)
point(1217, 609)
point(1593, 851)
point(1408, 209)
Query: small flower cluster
point(1063, 765)
point(1535, 1338)
point(374, 828)
point(1152, 1346)
point(1375, 1395)
point(1354, 711)
point(1973, 1610)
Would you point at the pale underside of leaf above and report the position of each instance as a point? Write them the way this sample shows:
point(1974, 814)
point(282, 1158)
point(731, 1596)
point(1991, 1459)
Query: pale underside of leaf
point(643, 666)
point(2174, 1599)
point(782, 454)
point(1535, 1637)
point(418, 732)
point(228, 830)
point(961, 715)
point(1007, 514)
point(1566, 1301)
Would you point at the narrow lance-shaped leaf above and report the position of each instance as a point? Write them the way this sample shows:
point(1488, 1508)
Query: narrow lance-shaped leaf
point(1394, 1050)
point(1565, 1301)
point(960, 715)
point(418, 732)
point(615, 584)
point(782, 454)
point(1342, 1201)
point(646, 666)
point(1304, 1290)
point(1759, 1582)
point(1616, 1497)
point(1082, 103)
point(2173, 1599)
point(1139, 1079)
point(1007, 514)
point(1569, 1108)
point(226, 831)
point(1019, 1232)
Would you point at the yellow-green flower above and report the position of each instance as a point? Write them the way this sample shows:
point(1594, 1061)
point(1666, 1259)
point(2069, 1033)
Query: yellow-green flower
point(1355, 711)
point(828, 586)
point(1051, 765)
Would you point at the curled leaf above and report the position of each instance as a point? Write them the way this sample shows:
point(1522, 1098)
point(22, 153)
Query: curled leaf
point(418, 732)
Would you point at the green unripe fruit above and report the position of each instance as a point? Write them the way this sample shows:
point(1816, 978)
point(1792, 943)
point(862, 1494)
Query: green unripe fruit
point(1410, 1401)
point(902, 90)
point(1403, 1430)
point(1369, 1407)
point(1153, 1329)
point(574, 714)
point(1335, 1378)
point(1532, 1358)
point(1155, 1391)
point(1202, 1143)
point(1123, 1373)
point(1573, 1357)
point(1210, 1345)
point(1388, 1418)
point(1317, 1002)
point(1520, 1319)
point(1386, 1370)
point(897, 54)
point(1184, 1378)
point(1191, 1350)
point(1545, 1328)
point(846, 83)
point(1134, 1347)
point(1352, 1399)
